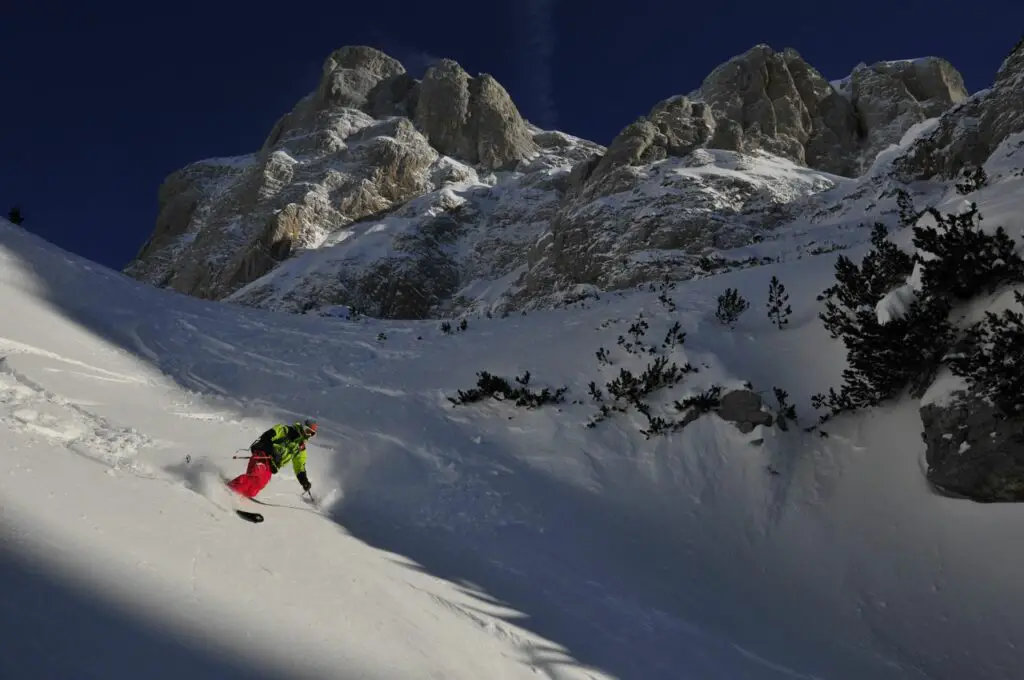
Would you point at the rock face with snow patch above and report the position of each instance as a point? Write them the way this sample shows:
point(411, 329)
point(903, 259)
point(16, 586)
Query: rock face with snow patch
point(776, 101)
point(972, 451)
point(968, 134)
point(472, 119)
point(891, 97)
point(329, 162)
point(675, 127)
point(435, 252)
point(631, 224)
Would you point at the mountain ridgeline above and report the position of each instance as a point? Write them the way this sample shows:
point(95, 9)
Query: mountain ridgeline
point(442, 188)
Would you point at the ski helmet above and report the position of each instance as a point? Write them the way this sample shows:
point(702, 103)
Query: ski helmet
point(309, 427)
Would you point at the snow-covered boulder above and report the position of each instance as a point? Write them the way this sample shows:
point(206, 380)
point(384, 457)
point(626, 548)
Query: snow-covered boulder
point(972, 450)
point(745, 409)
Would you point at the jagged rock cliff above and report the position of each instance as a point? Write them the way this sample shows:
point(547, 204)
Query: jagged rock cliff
point(777, 102)
point(439, 188)
point(326, 164)
point(633, 224)
point(968, 134)
point(416, 260)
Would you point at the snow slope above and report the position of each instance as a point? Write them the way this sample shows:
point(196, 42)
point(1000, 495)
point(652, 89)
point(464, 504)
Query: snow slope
point(478, 541)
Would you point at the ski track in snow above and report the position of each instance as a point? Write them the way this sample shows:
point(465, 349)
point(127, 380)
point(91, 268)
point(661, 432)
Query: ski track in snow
point(25, 406)
point(8, 347)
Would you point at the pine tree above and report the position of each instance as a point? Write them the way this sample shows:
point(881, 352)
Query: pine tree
point(778, 303)
point(908, 215)
point(966, 261)
point(974, 178)
point(14, 216)
point(882, 359)
point(882, 269)
point(991, 359)
point(961, 262)
point(730, 306)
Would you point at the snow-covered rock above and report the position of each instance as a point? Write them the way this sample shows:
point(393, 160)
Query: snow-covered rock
point(449, 248)
point(634, 224)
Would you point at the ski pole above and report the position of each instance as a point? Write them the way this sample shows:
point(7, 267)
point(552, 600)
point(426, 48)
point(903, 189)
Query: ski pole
point(240, 457)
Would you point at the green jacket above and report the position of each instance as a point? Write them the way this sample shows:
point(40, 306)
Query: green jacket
point(284, 444)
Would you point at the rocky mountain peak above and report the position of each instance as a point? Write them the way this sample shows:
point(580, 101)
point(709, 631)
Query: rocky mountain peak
point(472, 119)
point(368, 139)
point(351, 73)
point(362, 58)
point(969, 133)
point(776, 101)
point(1012, 68)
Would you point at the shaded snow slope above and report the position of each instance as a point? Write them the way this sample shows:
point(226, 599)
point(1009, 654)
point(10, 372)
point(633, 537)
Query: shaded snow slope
point(479, 541)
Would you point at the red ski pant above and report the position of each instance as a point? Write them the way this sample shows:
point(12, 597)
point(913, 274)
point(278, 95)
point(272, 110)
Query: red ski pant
point(256, 476)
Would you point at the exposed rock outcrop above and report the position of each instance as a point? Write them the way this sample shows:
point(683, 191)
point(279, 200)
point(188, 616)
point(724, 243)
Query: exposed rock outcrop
point(968, 134)
point(630, 224)
point(675, 127)
point(777, 102)
point(226, 222)
point(472, 119)
point(417, 260)
point(973, 451)
point(745, 409)
point(891, 97)
point(352, 77)
point(327, 163)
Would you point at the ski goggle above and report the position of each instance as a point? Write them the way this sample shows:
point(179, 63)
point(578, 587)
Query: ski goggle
point(309, 429)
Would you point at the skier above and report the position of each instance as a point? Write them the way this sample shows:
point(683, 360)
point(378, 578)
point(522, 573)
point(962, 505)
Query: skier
point(275, 448)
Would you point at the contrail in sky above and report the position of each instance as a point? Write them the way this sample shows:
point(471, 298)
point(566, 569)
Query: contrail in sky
point(535, 55)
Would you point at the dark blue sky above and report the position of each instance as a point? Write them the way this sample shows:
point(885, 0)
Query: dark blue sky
point(102, 100)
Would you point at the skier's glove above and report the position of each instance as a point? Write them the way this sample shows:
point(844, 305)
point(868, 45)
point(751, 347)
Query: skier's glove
point(304, 481)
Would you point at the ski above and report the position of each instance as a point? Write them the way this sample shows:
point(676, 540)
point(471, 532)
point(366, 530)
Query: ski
point(253, 517)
